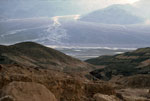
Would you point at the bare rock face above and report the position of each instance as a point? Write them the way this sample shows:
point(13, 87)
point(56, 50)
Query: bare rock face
point(102, 97)
point(134, 94)
point(65, 86)
point(26, 91)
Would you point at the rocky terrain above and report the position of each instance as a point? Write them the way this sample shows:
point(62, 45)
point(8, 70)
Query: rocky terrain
point(127, 64)
point(129, 72)
point(32, 72)
point(29, 84)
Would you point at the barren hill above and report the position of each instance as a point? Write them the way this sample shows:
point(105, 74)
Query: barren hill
point(131, 66)
point(36, 55)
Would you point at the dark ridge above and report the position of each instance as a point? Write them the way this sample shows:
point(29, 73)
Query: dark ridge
point(34, 54)
point(126, 64)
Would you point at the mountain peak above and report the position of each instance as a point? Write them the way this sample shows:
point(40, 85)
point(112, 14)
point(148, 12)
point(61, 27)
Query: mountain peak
point(115, 14)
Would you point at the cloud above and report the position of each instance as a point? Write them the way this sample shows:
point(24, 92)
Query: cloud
point(143, 3)
point(147, 22)
point(143, 7)
point(91, 5)
point(35, 8)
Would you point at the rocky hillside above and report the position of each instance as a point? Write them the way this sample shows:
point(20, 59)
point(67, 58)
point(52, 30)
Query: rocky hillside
point(22, 83)
point(36, 55)
point(127, 64)
point(32, 72)
point(129, 73)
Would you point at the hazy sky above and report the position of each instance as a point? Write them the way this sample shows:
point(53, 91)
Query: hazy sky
point(98, 4)
point(113, 1)
point(32, 8)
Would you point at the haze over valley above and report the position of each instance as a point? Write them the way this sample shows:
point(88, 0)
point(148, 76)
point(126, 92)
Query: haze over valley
point(98, 28)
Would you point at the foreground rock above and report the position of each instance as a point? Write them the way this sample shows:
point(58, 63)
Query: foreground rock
point(65, 87)
point(26, 91)
point(134, 94)
point(102, 97)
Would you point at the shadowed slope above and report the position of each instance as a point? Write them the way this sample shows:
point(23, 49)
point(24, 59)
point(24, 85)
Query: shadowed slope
point(33, 54)
point(126, 64)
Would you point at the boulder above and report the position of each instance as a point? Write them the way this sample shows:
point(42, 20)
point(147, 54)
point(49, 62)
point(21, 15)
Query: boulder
point(102, 97)
point(26, 91)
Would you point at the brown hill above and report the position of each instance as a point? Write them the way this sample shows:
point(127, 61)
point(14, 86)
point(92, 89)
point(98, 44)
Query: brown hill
point(129, 73)
point(126, 64)
point(36, 55)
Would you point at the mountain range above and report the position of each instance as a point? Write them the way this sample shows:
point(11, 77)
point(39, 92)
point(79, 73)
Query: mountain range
point(114, 26)
point(115, 14)
point(72, 32)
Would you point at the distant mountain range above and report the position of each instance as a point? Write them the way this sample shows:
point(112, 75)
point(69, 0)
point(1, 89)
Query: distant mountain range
point(107, 35)
point(115, 14)
point(114, 26)
point(76, 33)
point(46, 8)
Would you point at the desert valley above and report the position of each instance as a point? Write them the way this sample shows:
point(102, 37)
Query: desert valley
point(74, 50)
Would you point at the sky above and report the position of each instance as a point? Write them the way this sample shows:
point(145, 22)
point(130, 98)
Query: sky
point(105, 2)
point(33, 8)
point(122, 1)
point(90, 5)
point(142, 6)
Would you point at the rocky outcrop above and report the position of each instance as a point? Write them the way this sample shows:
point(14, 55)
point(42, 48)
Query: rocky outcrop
point(65, 87)
point(102, 97)
point(135, 94)
point(136, 81)
point(124, 71)
point(26, 91)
